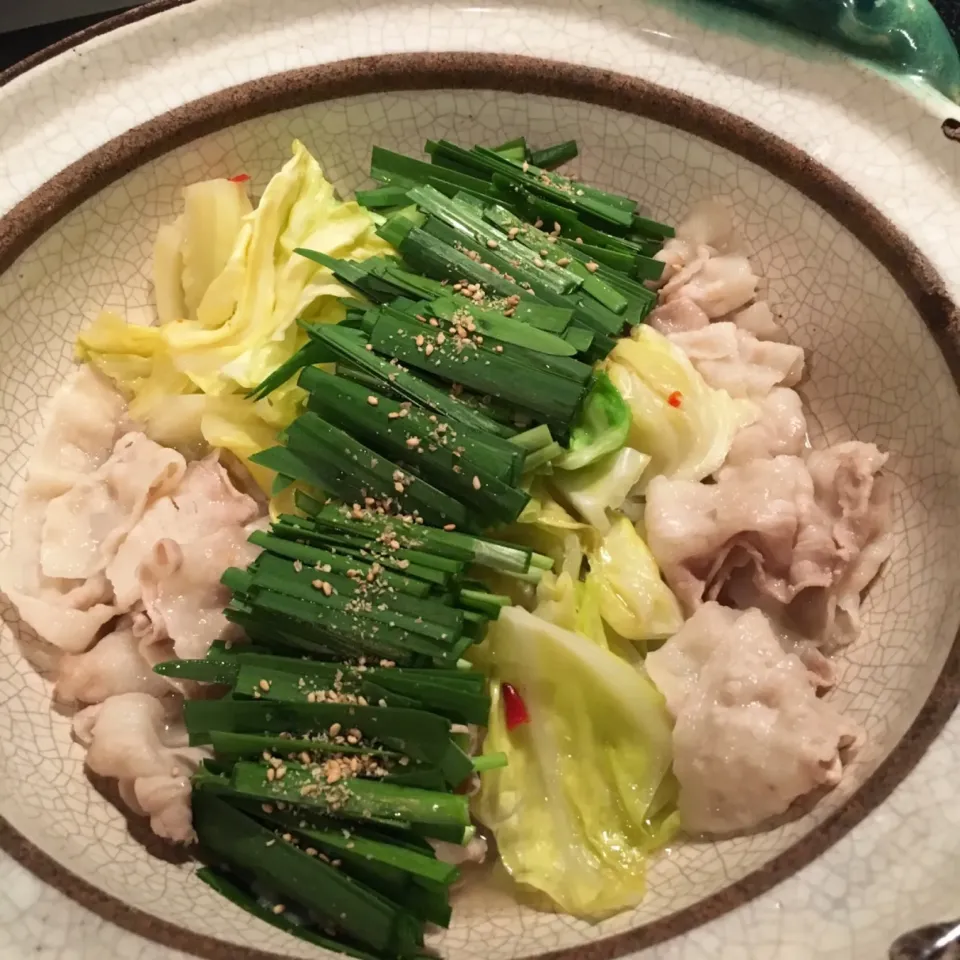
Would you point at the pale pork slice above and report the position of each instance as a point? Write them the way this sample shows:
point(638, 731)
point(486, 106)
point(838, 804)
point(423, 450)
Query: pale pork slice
point(114, 665)
point(182, 592)
point(751, 735)
point(84, 526)
point(734, 360)
point(140, 741)
point(81, 428)
point(800, 539)
point(780, 430)
point(204, 502)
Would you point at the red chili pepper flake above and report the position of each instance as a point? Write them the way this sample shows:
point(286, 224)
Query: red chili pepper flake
point(239, 178)
point(513, 706)
point(675, 398)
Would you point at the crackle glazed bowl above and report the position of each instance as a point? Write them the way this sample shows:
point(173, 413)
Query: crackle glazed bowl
point(847, 191)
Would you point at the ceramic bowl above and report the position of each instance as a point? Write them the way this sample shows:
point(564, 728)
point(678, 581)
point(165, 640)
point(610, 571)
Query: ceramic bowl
point(847, 194)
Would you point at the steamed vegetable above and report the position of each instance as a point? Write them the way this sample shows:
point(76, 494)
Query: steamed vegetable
point(577, 810)
point(599, 489)
point(213, 216)
point(685, 426)
point(633, 600)
point(601, 428)
point(572, 604)
point(229, 289)
point(545, 526)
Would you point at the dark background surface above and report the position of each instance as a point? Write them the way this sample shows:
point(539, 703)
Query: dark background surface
point(950, 11)
point(21, 43)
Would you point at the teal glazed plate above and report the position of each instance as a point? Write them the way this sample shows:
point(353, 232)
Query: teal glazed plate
point(904, 37)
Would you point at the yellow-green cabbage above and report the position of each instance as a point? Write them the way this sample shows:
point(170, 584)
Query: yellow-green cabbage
point(229, 289)
point(586, 795)
point(595, 491)
point(633, 599)
point(601, 427)
point(690, 438)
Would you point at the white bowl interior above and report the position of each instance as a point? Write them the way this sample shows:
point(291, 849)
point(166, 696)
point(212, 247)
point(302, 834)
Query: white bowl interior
point(874, 373)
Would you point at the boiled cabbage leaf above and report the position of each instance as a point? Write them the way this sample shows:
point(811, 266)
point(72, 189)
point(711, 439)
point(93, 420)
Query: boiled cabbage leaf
point(546, 527)
point(633, 599)
point(574, 605)
point(596, 490)
point(229, 289)
point(685, 426)
point(586, 795)
point(601, 427)
point(213, 215)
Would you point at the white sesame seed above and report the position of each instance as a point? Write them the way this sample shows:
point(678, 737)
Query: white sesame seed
point(476, 483)
point(592, 267)
point(373, 401)
point(413, 442)
point(264, 685)
point(429, 348)
point(492, 244)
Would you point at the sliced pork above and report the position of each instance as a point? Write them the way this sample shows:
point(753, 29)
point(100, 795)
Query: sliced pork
point(205, 502)
point(734, 360)
point(82, 427)
point(115, 665)
point(758, 320)
point(182, 592)
point(794, 538)
point(780, 430)
point(750, 734)
point(140, 741)
point(84, 526)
